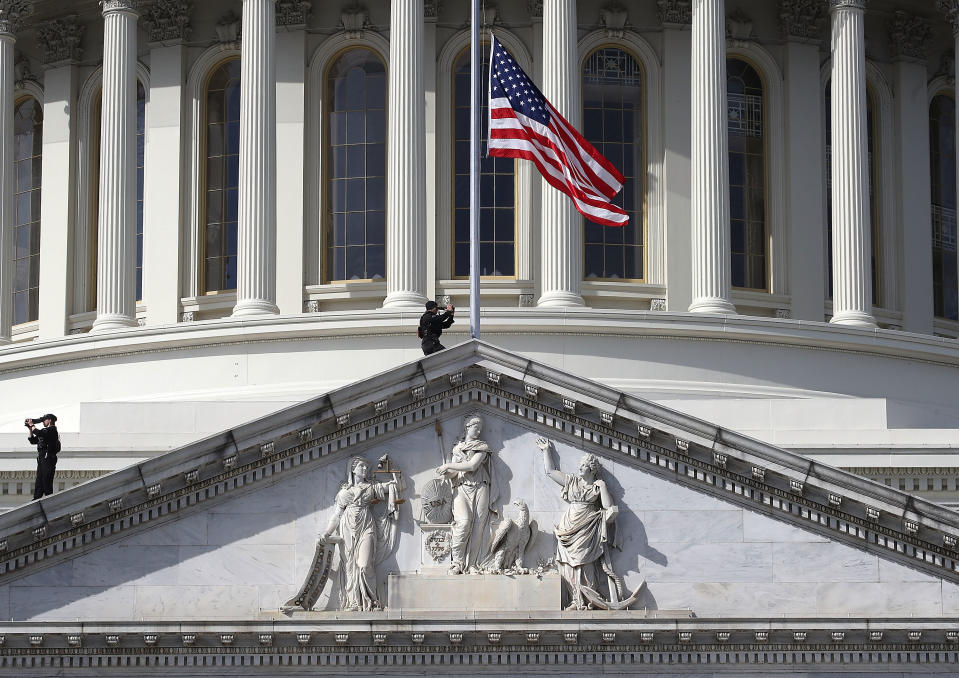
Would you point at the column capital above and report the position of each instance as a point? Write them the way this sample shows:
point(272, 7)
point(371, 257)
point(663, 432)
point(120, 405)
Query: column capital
point(109, 6)
point(848, 4)
point(60, 40)
point(292, 12)
point(675, 12)
point(535, 8)
point(12, 14)
point(802, 19)
point(908, 35)
point(169, 20)
point(951, 9)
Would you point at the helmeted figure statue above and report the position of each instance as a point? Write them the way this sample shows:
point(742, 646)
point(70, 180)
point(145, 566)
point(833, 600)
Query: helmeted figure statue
point(470, 471)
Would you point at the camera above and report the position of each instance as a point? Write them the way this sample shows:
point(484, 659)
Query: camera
point(28, 422)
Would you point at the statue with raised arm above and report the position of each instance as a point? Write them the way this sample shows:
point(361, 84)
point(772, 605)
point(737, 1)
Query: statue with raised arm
point(585, 534)
point(365, 539)
point(470, 470)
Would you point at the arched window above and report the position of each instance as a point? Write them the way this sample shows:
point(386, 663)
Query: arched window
point(942, 154)
point(497, 186)
point(355, 141)
point(873, 201)
point(28, 157)
point(613, 119)
point(95, 188)
point(747, 175)
point(222, 151)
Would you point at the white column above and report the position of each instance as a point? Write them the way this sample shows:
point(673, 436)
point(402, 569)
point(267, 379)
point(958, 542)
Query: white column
point(851, 229)
point(429, 131)
point(117, 235)
point(804, 183)
point(676, 168)
point(561, 229)
point(406, 161)
point(710, 161)
point(951, 9)
point(163, 175)
point(7, 39)
point(256, 213)
point(290, 133)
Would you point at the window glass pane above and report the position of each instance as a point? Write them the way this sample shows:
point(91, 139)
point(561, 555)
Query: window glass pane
point(497, 185)
point(222, 179)
point(28, 162)
point(355, 139)
point(613, 89)
point(942, 158)
point(747, 174)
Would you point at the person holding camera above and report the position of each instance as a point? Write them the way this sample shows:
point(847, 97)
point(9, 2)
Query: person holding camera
point(432, 324)
point(47, 441)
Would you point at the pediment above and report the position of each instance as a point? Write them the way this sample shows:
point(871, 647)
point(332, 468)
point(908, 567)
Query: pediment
point(707, 514)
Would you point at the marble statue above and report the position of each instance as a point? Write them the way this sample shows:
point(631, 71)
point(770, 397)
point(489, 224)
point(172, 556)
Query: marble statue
point(510, 542)
point(364, 538)
point(470, 470)
point(586, 533)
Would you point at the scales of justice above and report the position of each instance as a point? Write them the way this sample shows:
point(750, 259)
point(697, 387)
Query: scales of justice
point(472, 556)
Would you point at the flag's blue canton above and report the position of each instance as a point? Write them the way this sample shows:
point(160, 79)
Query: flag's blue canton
point(509, 81)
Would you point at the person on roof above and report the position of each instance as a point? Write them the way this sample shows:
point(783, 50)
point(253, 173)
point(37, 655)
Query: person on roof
point(47, 440)
point(432, 324)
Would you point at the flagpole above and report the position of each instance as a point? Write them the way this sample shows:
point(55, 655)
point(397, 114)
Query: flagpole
point(476, 110)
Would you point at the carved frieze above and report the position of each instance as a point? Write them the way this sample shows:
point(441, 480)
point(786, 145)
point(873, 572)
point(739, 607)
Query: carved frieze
point(739, 26)
point(228, 28)
point(60, 40)
point(535, 8)
point(802, 19)
point(169, 20)
point(292, 12)
point(908, 35)
point(12, 14)
point(613, 17)
point(951, 9)
point(676, 12)
point(354, 20)
point(432, 8)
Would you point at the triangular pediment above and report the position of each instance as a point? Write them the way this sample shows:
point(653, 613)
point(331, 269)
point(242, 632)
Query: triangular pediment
point(705, 512)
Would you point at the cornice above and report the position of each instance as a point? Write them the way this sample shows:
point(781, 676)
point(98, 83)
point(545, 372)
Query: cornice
point(539, 638)
point(659, 441)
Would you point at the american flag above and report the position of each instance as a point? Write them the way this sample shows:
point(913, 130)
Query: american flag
point(523, 124)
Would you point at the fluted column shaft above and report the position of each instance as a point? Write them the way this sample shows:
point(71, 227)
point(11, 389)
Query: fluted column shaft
point(561, 230)
point(7, 39)
point(117, 228)
point(851, 230)
point(710, 161)
point(406, 159)
point(256, 209)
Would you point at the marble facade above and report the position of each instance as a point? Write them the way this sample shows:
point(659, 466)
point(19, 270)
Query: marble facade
point(198, 549)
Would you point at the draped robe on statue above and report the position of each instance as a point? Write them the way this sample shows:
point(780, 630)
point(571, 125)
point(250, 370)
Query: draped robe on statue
point(366, 542)
point(473, 493)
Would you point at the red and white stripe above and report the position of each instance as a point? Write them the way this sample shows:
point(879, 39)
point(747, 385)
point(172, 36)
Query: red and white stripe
point(566, 160)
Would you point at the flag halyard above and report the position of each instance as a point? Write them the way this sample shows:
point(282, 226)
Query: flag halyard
point(523, 124)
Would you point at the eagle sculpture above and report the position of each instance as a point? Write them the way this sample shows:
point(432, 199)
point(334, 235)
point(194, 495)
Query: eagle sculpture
point(512, 538)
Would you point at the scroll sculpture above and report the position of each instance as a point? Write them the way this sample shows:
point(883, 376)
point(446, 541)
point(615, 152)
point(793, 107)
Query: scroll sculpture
point(364, 539)
point(585, 535)
point(513, 537)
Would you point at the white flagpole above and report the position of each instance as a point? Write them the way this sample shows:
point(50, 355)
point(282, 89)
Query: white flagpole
point(476, 109)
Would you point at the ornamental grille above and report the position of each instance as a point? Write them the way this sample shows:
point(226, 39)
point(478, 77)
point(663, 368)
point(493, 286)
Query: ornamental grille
point(613, 66)
point(944, 228)
point(745, 114)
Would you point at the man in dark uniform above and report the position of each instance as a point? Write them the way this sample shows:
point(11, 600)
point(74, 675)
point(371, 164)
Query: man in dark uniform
point(47, 441)
point(432, 324)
